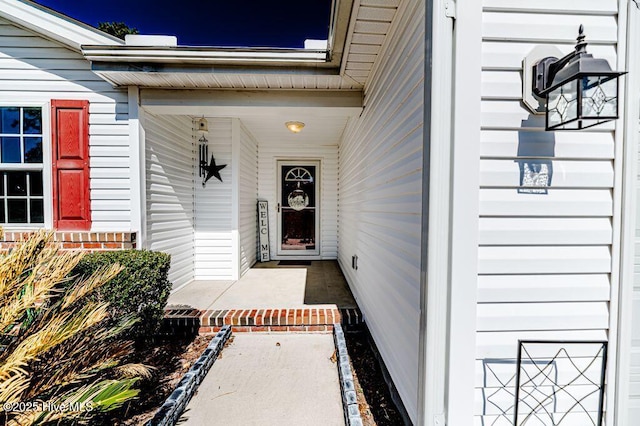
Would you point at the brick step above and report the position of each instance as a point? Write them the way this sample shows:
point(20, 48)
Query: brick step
point(181, 319)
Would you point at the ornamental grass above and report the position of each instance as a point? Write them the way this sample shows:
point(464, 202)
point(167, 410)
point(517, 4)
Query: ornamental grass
point(60, 359)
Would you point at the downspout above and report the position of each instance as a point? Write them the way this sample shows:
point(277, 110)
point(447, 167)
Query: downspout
point(434, 270)
point(631, 129)
point(451, 154)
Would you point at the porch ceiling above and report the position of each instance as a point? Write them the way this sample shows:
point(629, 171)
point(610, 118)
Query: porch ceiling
point(264, 113)
point(317, 131)
point(241, 79)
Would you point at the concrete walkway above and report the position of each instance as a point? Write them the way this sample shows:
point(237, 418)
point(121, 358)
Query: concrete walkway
point(268, 285)
point(270, 379)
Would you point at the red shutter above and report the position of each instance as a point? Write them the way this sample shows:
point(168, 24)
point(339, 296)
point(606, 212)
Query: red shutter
point(70, 152)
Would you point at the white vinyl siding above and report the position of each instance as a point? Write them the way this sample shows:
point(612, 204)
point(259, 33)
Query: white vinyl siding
point(268, 154)
point(214, 246)
point(169, 160)
point(248, 200)
point(34, 69)
point(380, 202)
point(634, 378)
point(544, 260)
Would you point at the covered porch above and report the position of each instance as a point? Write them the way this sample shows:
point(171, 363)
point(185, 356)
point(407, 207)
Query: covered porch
point(270, 297)
point(211, 231)
point(363, 103)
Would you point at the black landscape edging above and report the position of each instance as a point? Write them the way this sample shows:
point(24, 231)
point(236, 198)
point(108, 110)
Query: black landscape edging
point(349, 398)
point(172, 409)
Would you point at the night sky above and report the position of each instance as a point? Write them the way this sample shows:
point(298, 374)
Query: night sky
point(252, 23)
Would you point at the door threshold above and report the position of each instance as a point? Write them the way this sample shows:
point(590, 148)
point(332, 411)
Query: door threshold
point(293, 262)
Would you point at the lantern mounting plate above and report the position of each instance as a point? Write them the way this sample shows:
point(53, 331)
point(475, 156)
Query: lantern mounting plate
point(535, 103)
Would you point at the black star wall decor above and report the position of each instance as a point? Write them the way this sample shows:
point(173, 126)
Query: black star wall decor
point(213, 170)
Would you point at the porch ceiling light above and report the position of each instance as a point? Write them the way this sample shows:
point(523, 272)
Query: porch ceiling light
point(294, 126)
point(579, 91)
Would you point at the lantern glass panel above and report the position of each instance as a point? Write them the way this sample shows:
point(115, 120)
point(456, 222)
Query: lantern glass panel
point(599, 96)
point(562, 104)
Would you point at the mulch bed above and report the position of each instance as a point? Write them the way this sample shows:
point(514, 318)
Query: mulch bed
point(172, 358)
point(374, 398)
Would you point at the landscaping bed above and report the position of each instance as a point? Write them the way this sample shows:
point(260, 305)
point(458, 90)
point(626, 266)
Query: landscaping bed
point(374, 398)
point(69, 328)
point(172, 358)
point(89, 318)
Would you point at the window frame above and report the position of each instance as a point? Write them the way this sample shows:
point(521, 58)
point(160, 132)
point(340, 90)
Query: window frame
point(45, 167)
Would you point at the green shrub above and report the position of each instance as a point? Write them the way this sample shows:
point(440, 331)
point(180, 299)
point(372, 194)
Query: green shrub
point(141, 289)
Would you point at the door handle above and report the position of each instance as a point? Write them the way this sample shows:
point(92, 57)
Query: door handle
point(278, 206)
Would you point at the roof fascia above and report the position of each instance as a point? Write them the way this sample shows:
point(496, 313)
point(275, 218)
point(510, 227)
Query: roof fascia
point(341, 11)
point(54, 25)
point(202, 55)
point(104, 68)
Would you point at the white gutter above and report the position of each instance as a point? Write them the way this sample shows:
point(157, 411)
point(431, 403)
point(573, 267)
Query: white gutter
point(202, 55)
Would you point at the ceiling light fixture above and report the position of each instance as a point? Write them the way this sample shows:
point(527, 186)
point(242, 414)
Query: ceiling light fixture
point(294, 126)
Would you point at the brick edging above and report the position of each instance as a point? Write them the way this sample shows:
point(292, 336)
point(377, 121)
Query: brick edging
point(271, 329)
point(349, 397)
point(261, 320)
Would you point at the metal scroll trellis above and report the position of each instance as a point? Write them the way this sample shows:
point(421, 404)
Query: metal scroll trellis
point(550, 383)
point(560, 383)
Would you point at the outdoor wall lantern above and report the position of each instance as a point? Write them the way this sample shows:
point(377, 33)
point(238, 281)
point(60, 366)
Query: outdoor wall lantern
point(576, 91)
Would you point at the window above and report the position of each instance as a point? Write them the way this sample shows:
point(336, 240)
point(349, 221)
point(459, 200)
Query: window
point(21, 166)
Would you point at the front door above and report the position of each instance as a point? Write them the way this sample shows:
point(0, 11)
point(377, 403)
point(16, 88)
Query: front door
point(298, 209)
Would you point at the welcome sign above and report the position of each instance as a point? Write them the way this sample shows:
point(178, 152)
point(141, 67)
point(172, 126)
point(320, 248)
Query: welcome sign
point(263, 229)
